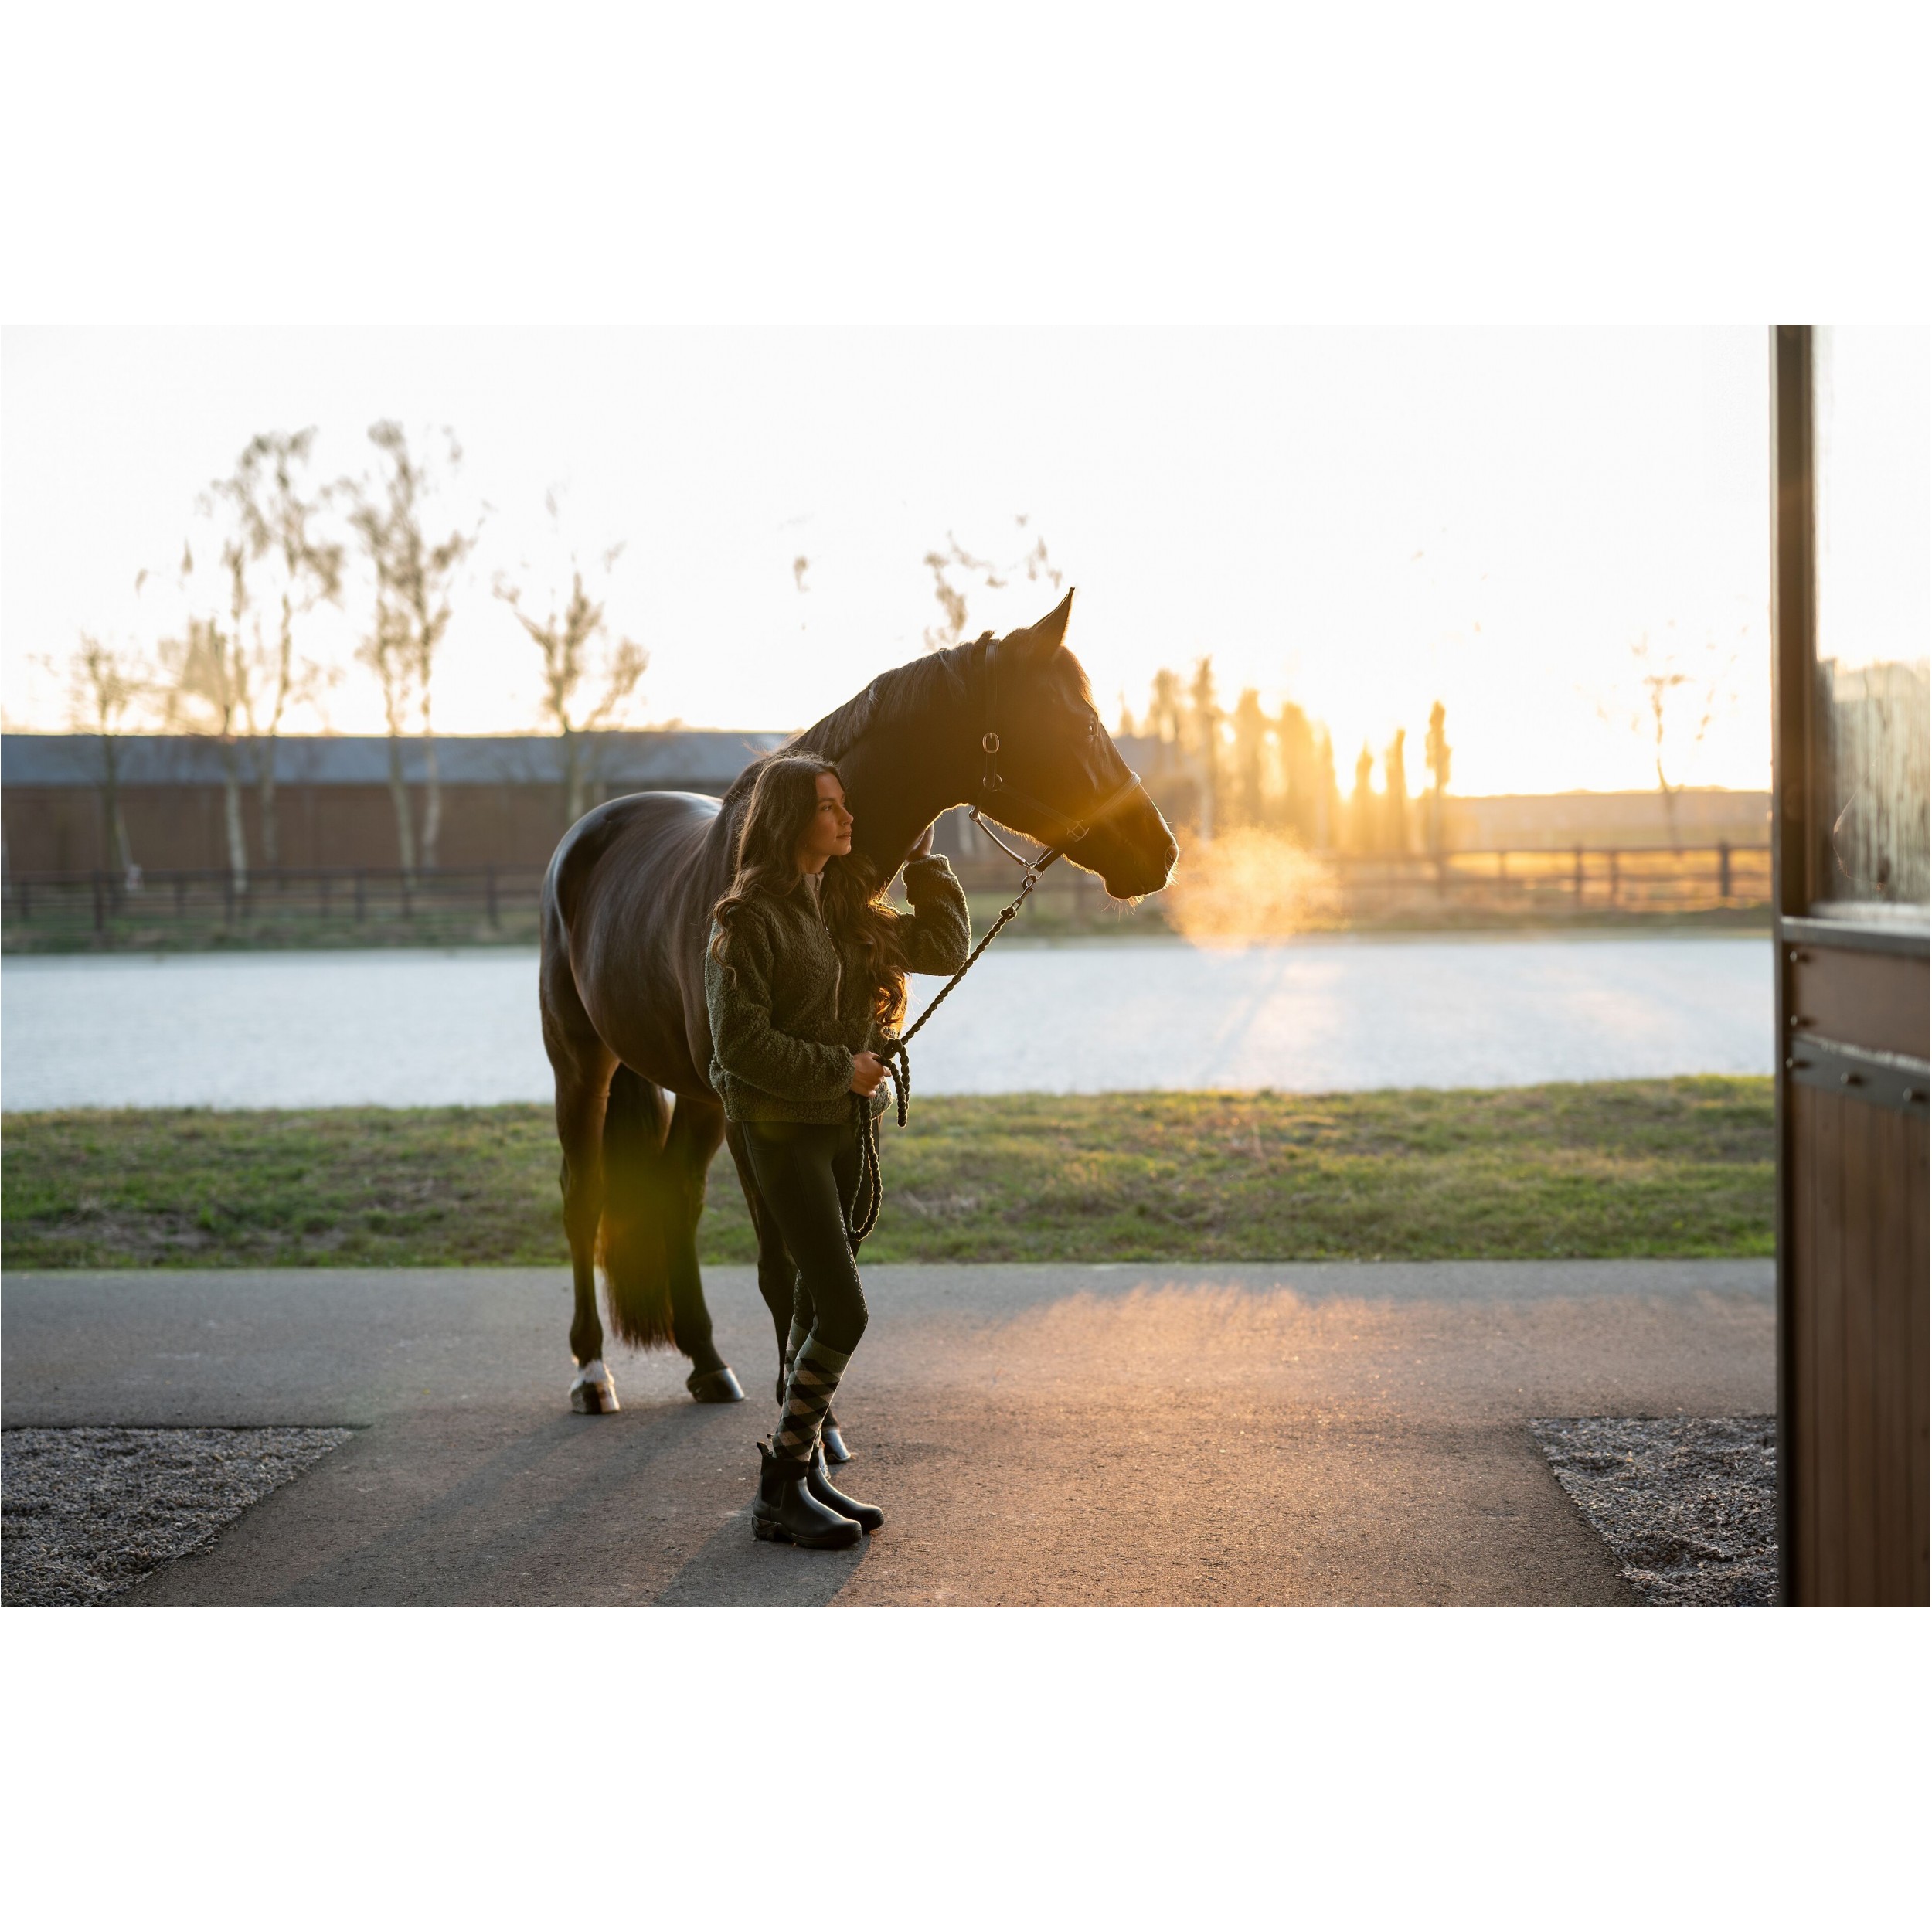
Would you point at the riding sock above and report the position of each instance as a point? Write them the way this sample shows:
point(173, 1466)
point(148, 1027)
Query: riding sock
point(806, 1174)
point(793, 1342)
point(809, 1389)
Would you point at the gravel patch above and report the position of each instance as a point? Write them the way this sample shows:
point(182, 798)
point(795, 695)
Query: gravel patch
point(1688, 1505)
point(88, 1512)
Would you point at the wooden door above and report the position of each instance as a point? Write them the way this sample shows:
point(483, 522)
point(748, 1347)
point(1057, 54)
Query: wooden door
point(1849, 754)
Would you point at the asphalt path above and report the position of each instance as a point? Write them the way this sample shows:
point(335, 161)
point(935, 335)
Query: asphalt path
point(1340, 1432)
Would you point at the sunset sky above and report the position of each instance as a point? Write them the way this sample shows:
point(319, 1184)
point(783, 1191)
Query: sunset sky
point(1364, 520)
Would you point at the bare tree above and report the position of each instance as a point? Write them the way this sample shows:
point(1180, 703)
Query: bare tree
point(207, 671)
point(278, 564)
point(1395, 795)
point(1435, 753)
point(1164, 708)
point(1326, 804)
point(588, 680)
point(1362, 803)
point(413, 577)
point(1204, 727)
point(951, 565)
point(386, 650)
point(1683, 689)
point(1250, 741)
point(107, 685)
point(1307, 762)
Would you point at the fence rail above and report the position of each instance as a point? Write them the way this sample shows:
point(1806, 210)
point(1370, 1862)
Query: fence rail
point(340, 903)
point(325, 896)
point(1558, 882)
point(1582, 878)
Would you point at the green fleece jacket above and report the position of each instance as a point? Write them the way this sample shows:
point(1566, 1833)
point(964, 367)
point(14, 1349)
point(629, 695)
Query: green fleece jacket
point(790, 1013)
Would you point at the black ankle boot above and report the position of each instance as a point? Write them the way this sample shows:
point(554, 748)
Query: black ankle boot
point(786, 1511)
point(818, 1482)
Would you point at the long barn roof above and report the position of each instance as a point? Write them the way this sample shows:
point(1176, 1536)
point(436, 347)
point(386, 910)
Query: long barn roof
point(650, 760)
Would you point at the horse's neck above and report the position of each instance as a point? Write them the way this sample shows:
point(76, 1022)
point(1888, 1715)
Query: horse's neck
point(900, 785)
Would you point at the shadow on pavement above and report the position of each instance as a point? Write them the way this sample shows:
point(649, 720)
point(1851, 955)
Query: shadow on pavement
point(734, 1569)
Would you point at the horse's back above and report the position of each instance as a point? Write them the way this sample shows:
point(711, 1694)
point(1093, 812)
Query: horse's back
point(628, 887)
point(648, 836)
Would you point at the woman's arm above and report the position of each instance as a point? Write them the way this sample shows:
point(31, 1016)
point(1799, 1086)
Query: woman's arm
point(748, 1046)
point(936, 936)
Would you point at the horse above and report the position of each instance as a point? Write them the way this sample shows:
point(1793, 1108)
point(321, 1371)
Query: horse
point(1008, 725)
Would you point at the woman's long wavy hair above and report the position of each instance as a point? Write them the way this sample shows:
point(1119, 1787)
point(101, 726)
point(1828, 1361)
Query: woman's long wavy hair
point(784, 800)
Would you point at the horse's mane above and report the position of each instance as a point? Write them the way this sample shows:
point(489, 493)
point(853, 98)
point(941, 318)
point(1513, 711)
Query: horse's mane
point(893, 696)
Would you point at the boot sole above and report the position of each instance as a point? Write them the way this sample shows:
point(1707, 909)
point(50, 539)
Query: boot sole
point(770, 1533)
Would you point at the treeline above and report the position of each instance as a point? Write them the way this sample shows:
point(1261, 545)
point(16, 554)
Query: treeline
point(268, 547)
point(1250, 767)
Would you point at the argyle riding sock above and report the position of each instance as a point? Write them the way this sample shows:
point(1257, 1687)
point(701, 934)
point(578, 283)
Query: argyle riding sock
point(809, 1388)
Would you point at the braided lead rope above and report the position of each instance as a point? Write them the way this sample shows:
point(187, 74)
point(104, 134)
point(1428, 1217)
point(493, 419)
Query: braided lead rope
point(872, 1189)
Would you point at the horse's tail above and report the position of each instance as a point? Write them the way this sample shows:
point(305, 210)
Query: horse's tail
point(638, 1185)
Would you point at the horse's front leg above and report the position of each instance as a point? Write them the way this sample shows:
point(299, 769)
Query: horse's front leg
point(584, 1068)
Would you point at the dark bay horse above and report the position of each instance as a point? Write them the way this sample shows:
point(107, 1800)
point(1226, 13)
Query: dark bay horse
point(626, 915)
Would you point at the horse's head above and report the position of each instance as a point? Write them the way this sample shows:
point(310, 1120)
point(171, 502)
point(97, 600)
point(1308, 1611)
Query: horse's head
point(1047, 767)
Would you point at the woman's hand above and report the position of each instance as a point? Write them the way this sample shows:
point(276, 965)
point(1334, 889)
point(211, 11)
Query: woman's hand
point(922, 849)
point(867, 1071)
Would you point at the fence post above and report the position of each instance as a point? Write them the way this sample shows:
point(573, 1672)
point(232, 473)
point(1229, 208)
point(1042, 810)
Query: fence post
point(490, 886)
point(362, 905)
point(228, 898)
point(1724, 869)
point(1612, 875)
point(1580, 876)
point(101, 906)
point(26, 900)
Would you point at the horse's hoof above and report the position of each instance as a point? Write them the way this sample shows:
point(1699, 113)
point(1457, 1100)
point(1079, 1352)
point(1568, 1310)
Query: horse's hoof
point(834, 1443)
point(713, 1385)
point(593, 1393)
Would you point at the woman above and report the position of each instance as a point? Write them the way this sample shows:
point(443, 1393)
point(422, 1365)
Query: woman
point(806, 968)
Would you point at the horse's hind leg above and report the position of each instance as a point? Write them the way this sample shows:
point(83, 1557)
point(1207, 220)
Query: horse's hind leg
point(583, 1065)
point(697, 1126)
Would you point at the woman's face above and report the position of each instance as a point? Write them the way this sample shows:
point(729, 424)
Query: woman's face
point(829, 835)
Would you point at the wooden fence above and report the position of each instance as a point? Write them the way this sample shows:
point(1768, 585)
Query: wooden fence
point(1534, 883)
point(320, 903)
point(1643, 879)
point(341, 904)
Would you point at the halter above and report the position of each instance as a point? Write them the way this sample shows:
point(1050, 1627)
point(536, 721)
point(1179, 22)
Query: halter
point(871, 1189)
point(992, 785)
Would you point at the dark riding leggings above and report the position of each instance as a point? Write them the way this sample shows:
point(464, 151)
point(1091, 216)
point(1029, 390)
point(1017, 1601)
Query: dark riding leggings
point(808, 1175)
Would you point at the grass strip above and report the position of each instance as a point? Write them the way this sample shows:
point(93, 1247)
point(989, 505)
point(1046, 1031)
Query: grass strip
point(1677, 1167)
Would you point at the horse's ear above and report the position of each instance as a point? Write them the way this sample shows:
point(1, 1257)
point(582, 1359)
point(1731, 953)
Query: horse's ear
point(1050, 633)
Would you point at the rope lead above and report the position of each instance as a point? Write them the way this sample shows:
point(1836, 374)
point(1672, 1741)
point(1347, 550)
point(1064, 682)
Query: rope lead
point(872, 1188)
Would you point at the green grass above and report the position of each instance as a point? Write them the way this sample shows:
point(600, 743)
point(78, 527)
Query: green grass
point(1681, 1167)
